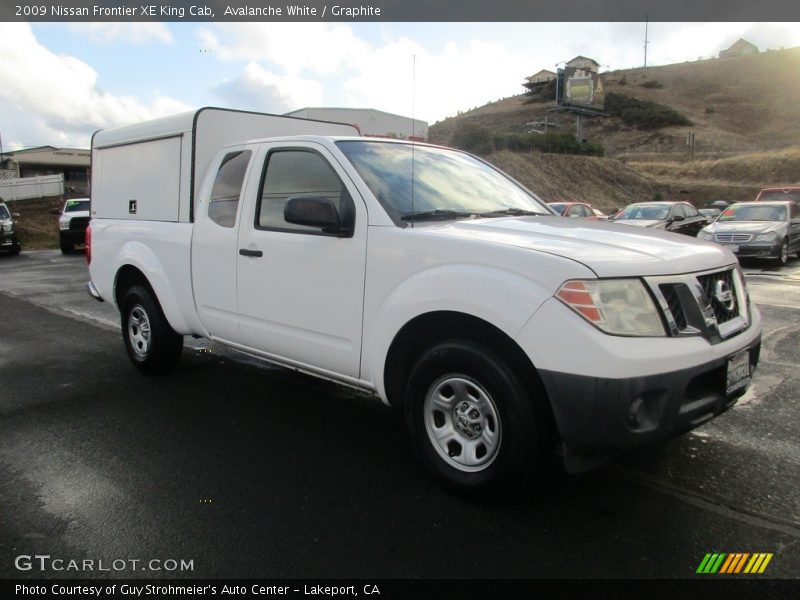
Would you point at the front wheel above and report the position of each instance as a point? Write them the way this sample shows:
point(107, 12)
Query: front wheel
point(783, 255)
point(152, 345)
point(474, 421)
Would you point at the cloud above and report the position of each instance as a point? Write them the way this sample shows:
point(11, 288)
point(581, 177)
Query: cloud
point(319, 48)
point(123, 33)
point(59, 96)
point(286, 59)
point(260, 90)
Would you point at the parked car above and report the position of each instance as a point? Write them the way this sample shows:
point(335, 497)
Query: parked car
point(601, 216)
point(785, 193)
point(9, 237)
point(710, 213)
point(758, 229)
point(579, 210)
point(677, 217)
point(72, 223)
point(499, 333)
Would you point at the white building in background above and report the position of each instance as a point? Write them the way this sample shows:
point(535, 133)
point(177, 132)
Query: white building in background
point(369, 121)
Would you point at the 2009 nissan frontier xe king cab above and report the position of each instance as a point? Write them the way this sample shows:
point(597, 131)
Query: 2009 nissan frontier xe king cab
point(421, 274)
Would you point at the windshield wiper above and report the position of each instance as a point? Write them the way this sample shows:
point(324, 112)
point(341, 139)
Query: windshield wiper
point(439, 213)
point(514, 212)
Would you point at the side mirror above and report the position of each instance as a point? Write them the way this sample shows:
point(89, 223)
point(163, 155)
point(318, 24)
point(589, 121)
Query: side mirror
point(55, 211)
point(15, 215)
point(314, 211)
point(678, 218)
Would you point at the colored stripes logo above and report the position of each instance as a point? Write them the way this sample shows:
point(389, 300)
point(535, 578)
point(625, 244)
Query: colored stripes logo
point(734, 563)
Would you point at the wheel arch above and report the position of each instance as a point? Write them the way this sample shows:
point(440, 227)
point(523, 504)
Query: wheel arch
point(130, 274)
point(426, 329)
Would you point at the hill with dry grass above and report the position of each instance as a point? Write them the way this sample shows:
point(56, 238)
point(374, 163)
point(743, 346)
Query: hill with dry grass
point(744, 113)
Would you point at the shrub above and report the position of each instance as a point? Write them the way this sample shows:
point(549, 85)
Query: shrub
point(643, 114)
point(473, 138)
point(652, 84)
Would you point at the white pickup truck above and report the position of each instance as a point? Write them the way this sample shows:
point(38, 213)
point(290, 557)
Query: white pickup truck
point(420, 274)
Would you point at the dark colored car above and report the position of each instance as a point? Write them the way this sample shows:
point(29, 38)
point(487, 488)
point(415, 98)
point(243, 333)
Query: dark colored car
point(758, 229)
point(9, 238)
point(710, 213)
point(579, 210)
point(678, 217)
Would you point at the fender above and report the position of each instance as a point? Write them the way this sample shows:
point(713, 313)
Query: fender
point(175, 299)
point(504, 298)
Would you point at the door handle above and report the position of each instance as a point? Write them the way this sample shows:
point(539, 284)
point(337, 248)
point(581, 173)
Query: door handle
point(255, 253)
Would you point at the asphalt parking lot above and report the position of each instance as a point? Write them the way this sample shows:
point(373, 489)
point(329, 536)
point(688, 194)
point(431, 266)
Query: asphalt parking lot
point(250, 471)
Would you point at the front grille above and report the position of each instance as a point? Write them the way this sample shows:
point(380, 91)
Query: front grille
point(710, 304)
point(670, 291)
point(735, 238)
point(714, 285)
point(78, 224)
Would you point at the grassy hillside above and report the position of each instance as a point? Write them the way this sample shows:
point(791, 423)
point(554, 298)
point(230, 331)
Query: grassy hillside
point(736, 105)
point(608, 183)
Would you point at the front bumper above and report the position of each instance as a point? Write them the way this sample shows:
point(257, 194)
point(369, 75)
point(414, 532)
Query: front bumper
point(761, 250)
point(598, 415)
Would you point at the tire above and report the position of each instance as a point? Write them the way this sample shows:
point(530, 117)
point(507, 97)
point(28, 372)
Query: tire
point(783, 254)
point(66, 246)
point(474, 421)
point(151, 343)
point(16, 249)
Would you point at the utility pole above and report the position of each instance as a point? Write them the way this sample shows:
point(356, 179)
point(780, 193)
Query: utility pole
point(646, 20)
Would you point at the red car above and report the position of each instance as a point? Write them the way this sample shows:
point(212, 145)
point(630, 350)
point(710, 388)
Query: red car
point(579, 210)
point(785, 193)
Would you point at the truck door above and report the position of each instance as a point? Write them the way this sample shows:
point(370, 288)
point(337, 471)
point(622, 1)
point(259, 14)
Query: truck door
point(300, 289)
point(214, 250)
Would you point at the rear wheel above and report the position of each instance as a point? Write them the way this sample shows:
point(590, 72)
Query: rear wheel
point(473, 419)
point(66, 246)
point(152, 344)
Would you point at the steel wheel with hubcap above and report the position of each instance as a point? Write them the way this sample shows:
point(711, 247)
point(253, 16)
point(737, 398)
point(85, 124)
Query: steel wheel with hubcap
point(462, 423)
point(152, 345)
point(474, 419)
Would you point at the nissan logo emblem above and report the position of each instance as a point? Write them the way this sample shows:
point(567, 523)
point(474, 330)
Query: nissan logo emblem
point(723, 294)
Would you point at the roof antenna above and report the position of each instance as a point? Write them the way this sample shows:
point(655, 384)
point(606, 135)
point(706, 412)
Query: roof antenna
point(413, 142)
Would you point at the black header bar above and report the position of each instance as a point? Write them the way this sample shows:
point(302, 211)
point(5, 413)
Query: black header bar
point(399, 10)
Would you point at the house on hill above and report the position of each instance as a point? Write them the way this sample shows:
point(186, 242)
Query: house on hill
point(740, 48)
point(583, 63)
point(542, 76)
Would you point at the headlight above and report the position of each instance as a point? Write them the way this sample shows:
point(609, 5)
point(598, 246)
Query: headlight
point(616, 306)
point(63, 224)
point(705, 235)
point(766, 237)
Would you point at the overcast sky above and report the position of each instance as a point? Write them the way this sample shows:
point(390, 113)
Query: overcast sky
point(61, 82)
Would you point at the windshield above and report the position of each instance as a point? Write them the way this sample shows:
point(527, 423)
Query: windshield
point(779, 195)
point(557, 206)
point(4, 214)
point(447, 184)
point(644, 212)
point(76, 205)
point(754, 212)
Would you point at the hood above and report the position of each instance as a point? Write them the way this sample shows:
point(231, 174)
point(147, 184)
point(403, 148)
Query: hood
point(608, 249)
point(745, 227)
point(641, 222)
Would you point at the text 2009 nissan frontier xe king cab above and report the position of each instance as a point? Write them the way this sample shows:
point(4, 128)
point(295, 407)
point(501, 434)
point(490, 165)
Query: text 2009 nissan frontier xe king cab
point(423, 275)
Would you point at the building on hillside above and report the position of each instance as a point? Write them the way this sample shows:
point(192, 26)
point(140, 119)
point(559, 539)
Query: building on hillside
point(542, 76)
point(370, 122)
point(740, 48)
point(580, 84)
point(584, 63)
point(72, 163)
